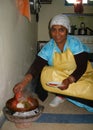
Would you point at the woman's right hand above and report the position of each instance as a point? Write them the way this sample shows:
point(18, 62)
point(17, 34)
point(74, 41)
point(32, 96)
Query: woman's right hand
point(18, 87)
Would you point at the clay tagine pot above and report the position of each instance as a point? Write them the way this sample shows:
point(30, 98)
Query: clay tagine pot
point(22, 105)
point(21, 111)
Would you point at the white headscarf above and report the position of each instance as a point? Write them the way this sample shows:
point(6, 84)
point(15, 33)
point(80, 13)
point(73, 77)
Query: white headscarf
point(61, 20)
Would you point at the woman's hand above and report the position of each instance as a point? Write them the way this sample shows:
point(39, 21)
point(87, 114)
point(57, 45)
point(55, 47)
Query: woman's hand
point(18, 88)
point(65, 84)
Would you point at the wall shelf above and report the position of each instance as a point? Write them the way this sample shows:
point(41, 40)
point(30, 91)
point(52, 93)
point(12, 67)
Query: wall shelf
point(74, 14)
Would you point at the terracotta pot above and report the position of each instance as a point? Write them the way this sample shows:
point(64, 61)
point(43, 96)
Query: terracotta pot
point(23, 125)
point(30, 104)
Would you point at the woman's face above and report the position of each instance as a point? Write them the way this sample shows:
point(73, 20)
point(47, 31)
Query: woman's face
point(59, 33)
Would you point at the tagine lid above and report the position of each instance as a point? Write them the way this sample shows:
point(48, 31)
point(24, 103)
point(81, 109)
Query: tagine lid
point(24, 105)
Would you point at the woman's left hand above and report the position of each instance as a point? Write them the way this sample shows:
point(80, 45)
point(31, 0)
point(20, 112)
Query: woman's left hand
point(65, 84)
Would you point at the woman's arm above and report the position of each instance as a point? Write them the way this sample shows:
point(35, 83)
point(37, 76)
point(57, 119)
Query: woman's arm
point(37, 66)
point(33, 71)
point(81, 62)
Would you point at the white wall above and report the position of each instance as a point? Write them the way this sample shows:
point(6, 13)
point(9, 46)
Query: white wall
point(47, 11)
point(17, 47)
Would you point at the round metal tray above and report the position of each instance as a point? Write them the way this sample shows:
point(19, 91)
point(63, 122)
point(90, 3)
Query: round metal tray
point(23, 117)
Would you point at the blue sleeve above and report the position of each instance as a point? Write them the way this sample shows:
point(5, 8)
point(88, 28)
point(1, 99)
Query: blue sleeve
point(45, 52)
point(76, 46)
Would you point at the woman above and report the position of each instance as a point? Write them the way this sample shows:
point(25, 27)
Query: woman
point(62, 54)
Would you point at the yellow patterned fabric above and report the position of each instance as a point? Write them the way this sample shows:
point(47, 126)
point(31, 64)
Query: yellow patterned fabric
point(64, 65)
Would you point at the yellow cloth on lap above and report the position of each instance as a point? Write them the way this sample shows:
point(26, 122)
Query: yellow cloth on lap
point(64, 65)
